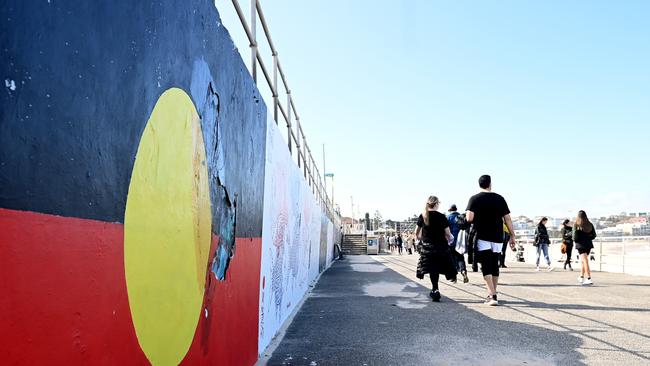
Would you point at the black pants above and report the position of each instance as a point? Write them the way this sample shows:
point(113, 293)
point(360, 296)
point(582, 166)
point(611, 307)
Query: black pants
point(459, 261)
point(569, 249)
point(502, 257)
point(489, 262)
point(434, 281)
point(399, 248)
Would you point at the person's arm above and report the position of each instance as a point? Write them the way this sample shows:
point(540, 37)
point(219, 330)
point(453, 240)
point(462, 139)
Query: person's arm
point(448, 235)
point(508, 222)
point(469, 211)
point(417, 233)
point(469, 216)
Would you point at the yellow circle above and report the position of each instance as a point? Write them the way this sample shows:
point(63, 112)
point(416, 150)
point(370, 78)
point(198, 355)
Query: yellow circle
point(167, 230)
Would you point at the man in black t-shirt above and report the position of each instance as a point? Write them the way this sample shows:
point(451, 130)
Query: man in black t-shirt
point(488, 211)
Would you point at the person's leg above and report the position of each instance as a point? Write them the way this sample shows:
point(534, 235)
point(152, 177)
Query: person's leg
point(545, 249)
point(435, 293)
point(504, 247)
point(485, 257)
point(539, 253)
point(587, 269)
point(583, 256)
point(434, 281)
point(496, 256)
point(569, 249)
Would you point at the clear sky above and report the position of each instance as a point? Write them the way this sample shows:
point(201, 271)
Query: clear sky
point(413, 98)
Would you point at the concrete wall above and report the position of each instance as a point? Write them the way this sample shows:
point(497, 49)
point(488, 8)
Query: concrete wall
point(295, 238)
point(133, 162)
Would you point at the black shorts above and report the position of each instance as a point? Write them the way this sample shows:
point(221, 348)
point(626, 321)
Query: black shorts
point(489, 262)
point(584, 250)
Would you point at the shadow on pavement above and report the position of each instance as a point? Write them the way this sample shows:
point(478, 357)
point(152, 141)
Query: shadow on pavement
point(363, 313)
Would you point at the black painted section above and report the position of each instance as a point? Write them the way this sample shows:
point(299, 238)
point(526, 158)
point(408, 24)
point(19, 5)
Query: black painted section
point(87, 75)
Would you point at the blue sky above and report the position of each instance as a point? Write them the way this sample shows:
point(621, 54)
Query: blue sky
point(413, 98)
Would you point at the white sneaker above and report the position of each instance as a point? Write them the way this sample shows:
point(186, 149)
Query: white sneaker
point(580, 279)
point(588, 281)
point(550, 268)
point(537, 269)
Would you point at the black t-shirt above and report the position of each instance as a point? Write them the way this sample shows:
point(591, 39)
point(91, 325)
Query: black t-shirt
point(434, 233)
point(489, 209)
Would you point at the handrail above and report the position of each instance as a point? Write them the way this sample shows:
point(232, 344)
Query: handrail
point(309, 167)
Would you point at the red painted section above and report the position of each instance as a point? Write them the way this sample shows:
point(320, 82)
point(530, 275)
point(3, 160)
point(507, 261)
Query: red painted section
point(228, 336)
point(63, 298)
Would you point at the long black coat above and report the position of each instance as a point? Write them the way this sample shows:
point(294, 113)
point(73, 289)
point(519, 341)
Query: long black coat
point(436, 259)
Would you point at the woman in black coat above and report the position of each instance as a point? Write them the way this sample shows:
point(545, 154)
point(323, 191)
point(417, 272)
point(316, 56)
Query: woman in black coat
point(584, 234)
point(567, 240)
point(542, 241)
point(435, 255)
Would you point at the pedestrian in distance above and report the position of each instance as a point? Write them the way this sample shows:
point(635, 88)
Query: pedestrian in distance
point(435, 257)
point(454, 226)
point(567, 242)
point(488, 211)
point(506, 239)
point(409, 244)
point(391, 243)
point(542, 241)
point(584, 234)
point(399, 242)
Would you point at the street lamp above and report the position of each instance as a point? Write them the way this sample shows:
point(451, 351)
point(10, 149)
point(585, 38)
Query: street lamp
point(330, 175)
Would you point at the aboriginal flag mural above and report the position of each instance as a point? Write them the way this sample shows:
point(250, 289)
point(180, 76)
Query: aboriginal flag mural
point(132, 144)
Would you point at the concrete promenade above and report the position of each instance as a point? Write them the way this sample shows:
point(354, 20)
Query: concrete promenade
point(371, 310)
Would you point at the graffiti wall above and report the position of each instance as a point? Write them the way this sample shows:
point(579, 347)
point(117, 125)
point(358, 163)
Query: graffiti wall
point(294, 236)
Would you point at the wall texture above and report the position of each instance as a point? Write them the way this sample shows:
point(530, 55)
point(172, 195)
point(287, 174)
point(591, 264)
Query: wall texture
point(133, 162)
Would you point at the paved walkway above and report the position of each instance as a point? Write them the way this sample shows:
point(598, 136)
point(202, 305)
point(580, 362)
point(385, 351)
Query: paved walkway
point(371, 310)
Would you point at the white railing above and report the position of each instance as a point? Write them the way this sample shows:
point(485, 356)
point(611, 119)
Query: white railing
point(621, 254)
point(288, 111)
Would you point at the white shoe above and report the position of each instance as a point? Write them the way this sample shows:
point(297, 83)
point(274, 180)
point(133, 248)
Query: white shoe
point(588, 281)
point(537, 269)
point(580, 279)
point(550, 268)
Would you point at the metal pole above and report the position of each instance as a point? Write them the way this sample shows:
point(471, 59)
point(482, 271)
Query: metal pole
point(254, 41)
point(332, 191)
point(352, 214)
point(324, 170)
point(275, 91)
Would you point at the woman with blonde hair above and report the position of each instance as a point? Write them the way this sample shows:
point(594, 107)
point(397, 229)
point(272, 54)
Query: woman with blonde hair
point(584, 234)
point(435, 257)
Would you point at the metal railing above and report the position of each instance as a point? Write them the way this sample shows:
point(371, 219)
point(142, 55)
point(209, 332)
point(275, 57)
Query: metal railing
point(621, 254)
point(288, 111)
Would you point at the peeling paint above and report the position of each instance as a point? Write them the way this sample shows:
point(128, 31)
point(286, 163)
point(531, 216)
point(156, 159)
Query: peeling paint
point(10, 84)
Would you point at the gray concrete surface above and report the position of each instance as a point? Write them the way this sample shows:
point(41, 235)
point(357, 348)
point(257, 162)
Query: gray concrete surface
point(371, 310)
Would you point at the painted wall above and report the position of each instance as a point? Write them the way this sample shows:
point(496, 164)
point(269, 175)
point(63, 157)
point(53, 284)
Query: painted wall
point(296, 236)
point(134, 216)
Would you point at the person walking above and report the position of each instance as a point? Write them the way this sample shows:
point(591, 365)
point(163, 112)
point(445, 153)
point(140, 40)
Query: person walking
point(542, 241)
point(584, 234)
point(391, 243)
point(399, 241)
point(567, 241)
point(454, 227)
point(506, 239)
point(488, 211)
point(435, 258)
point(409, 243)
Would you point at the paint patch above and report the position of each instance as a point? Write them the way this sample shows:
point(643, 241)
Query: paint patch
point(10, 84)
point(167, 230)
point(224, 211)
